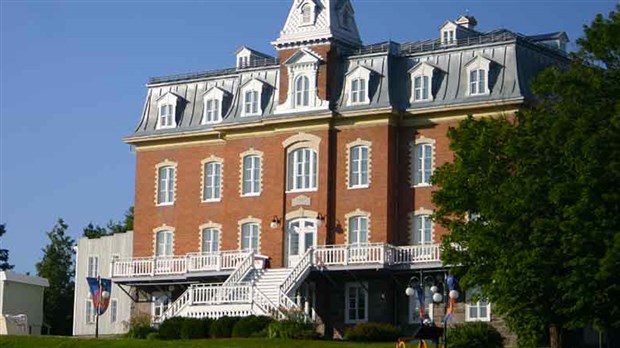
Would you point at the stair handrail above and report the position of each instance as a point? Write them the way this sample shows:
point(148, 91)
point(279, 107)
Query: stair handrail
point(177, 306)
point(298, 272)
point(241, 270)
point(260, 299)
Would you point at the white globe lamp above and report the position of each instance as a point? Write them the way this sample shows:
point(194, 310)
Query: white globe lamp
point(437, 297)
point(454, 294)
point(409, 291)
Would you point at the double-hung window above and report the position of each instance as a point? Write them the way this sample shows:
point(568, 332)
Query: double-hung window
point(356, 302)
point(306, 14)
point(358, 166)
point(163, 244)
point(166, 116)
point(90, 312)
point(423, 164)
point(210, 240)
point(358, 230)
point(302, 91)
point(251, 175)
point(477, 82)
point(302, 170)
point(422, 88)
point(113, 310)
point(212, 181)
point(251, 102)
point(358, 91)
point(93, 266)
point(212, 111)
point(478, 310)
point(249, 236)
point(422, 230)
point(165, 190)
point(161, 302)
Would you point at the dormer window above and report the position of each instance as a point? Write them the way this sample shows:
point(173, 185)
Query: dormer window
point(358, 91)
point(166, 116)
point(251, 103)
point(421, 88)
point(306, 14)
point(477, 79)
point(302, 91)
point(212, 111)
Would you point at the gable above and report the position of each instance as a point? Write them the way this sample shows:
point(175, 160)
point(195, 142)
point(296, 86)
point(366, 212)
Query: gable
point(422, 68)
point(304, 56)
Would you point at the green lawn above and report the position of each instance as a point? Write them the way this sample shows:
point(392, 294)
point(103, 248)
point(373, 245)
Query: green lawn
point(69, 342)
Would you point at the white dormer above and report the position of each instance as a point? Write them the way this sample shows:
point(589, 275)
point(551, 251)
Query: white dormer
point(357, 83)
point(166, 111)
point(468, 22)
point(422, 82)
point(477, 71)
point(251, 97)
point(448, 33)
point(303, 68)
point(247, 57)
point(213, 101)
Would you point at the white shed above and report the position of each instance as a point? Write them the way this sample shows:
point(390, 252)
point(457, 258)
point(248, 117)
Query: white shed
point(21, 303)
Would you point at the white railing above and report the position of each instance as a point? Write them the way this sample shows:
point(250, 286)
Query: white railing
point(298, 272)
point(215, 294)
point(177, 265)
point(243, 267)
point(269, 308)
point(184, 300)
point(343, 255)
point(411, 254)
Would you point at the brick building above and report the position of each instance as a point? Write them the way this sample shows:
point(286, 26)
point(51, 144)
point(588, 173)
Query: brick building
point(317, 161)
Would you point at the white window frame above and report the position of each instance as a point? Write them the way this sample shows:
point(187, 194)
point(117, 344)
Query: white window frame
point(307, 18)
point(423, 71)
point(212, 112)
point(422, 229)
point(113, 310)
point(448, 34)
point(357, 287)
point(210, 236)
point(212, 180)
point(356, 231)
point(423, 163)
point(165, 247)
point(168, 103)
point(477, 71)
point(250, 231)
point(159, 304)
point(250, 103)
point(93, 266)
point(476, 306)
point(359, 76)
point(89, 312)
point(477, 81)
point(306, 179)
point(166, 182)
point(251, 175)
point(422, 91)
point(302, 93)
point(356, 166)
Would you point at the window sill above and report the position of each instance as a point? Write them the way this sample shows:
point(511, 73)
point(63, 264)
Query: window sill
point(470, 320)
point(250, 195)
point(165, 204)
point(365, 102)
point(166, 127)
point(302, 190)
point(422, 100)
point(360, 187)
point(356, 321)
point(217, 200)
point(479, 94)
point(424, 185)
point(251, 115)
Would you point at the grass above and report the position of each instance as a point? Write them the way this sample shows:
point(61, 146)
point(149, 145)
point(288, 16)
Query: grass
point(70, 342)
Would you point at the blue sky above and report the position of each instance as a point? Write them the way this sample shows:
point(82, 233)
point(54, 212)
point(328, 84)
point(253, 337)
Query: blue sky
point(72, 76)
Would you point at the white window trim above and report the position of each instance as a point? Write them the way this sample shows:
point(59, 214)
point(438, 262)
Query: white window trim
point(304, 62)
point(203, 163)
point(167, 99)
point(297, 91)
point(163, 228)
point(217, 94)
point(468, 305)
point(211, 226)
point(254, 85)
point(97, 272)
point(312, 20)
point(90, 319)
point(249, 220)
point(354, 214)
point(360, 72)
point(478, 63)
point(448, 31)
point(154, 304)
point(260, 155)
point(413, 161)
point(413, 217)
point(113, 317)
point(166, 163)
point(361, 143)
point(348, 287)
point(316, 176)
point(420, 70)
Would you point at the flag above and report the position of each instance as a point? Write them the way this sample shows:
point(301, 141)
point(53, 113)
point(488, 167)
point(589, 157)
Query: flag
point(452, 284)
point(420, 292)
point(100, 289)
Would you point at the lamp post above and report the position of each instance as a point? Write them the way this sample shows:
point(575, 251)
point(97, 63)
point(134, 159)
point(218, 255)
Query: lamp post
point(416, 286)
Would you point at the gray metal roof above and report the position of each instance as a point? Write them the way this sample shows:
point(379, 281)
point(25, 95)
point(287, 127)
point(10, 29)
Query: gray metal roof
point(515, 60)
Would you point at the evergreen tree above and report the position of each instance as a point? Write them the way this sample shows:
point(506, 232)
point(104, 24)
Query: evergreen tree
point(4, 253)
point(57, 267)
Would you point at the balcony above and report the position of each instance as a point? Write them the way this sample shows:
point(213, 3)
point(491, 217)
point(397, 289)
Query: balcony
point(328, 257)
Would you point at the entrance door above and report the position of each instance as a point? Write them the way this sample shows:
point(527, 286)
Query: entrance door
point(301, 235)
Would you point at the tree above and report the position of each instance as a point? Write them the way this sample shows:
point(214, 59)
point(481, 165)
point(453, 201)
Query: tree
point(545, 184)
point(4, 253)
point(95, 231)
point(57, 267)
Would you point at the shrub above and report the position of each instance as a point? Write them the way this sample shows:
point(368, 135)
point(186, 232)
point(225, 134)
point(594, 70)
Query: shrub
point(372, 332)
point(152, 336)
point(249, 326)
point(223, 327)
point(193, 329)
point(140, 327)
point(292, 329)
point(170, 329)
point(477, 334)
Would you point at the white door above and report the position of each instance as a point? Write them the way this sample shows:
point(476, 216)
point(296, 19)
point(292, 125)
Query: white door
point(301, 235)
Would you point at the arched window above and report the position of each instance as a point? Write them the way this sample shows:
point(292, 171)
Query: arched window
point(210, 240)
point(422, 229)
point(358, 230)
point(358, 166)
point(165, 183)
point(250, 236)
point(163, 244)
point(306, 14)
point(302, 170)
point(302, 91)
point(212, 186)
point(358, 91)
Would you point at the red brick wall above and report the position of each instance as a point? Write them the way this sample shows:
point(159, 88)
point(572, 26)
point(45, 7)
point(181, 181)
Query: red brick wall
point(327, 53)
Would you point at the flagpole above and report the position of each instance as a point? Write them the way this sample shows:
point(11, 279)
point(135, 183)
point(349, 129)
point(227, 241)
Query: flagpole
point(97, 309)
